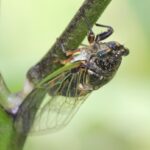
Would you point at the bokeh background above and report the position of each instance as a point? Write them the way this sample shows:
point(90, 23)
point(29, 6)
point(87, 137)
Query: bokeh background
point(116, 117)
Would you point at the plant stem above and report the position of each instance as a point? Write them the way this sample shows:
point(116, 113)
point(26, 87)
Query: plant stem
point(71, 38)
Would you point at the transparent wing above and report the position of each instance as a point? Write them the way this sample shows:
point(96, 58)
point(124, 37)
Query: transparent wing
point(61, 103)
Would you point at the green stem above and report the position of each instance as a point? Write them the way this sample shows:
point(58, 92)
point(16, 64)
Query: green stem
point(6, 120)
point(6, 130)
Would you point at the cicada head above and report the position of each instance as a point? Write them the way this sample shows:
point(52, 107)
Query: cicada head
point(106, 63)
point(110, 55)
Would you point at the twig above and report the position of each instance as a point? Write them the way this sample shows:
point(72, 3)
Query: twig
point(71, 37)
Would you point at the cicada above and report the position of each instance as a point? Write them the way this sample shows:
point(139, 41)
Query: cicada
point(97, 63)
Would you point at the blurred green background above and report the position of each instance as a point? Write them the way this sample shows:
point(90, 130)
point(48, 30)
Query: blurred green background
point(116, 117)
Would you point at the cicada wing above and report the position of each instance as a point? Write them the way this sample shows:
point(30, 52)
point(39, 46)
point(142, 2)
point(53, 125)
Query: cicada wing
point(62, 101)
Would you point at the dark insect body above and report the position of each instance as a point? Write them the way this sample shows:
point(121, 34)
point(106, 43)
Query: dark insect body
point(99, 62)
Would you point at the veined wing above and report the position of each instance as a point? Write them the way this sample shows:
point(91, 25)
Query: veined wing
point(62, 101)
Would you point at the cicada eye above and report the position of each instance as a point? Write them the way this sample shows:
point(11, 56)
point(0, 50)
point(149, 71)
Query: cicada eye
point(114, 45)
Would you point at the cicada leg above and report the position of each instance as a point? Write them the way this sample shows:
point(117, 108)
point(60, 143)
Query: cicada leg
point(65, 61)
point(105, 34)
point(71, 54)
point(99, 37)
